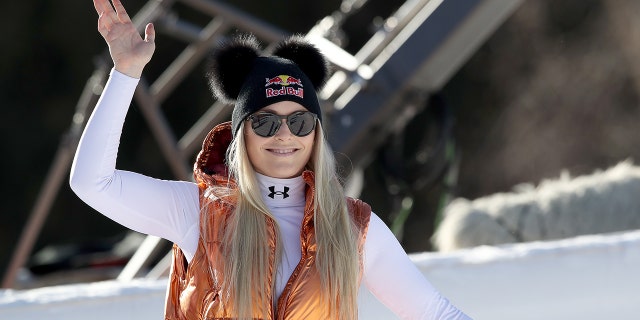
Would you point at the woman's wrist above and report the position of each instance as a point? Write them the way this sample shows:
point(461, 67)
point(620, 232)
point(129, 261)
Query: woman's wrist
point(133, 71)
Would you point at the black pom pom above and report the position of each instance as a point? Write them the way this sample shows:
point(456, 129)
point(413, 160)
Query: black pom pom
point(229, 65)
point(307, 57)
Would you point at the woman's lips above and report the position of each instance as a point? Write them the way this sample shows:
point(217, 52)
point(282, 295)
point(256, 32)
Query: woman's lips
point(282, 152)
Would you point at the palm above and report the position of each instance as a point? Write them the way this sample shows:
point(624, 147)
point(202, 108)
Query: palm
point(127, 46)
point(129, 51)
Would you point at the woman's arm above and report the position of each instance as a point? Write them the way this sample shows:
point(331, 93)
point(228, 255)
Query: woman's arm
point(410, 296)
point(168, 209)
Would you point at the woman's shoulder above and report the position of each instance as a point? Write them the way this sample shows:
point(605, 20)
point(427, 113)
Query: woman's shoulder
point(358, 202)
point(359, 210)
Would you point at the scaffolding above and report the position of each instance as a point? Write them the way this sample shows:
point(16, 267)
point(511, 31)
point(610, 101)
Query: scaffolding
point(372, 93)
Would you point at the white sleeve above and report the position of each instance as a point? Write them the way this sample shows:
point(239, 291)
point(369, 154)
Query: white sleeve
point(393, 278)
point(167, 209)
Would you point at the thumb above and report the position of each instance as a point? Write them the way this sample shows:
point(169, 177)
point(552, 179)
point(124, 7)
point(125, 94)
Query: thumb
point(149, 33)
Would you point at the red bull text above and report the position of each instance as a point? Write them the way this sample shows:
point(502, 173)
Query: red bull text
point(284, 90)
point(285, 81)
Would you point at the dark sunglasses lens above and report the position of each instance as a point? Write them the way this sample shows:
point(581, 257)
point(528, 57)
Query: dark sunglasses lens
point(265, 125)
point(301, 123)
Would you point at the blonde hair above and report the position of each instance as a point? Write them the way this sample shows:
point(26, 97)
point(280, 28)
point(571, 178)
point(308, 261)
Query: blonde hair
point(247, 265)
point(337, 258)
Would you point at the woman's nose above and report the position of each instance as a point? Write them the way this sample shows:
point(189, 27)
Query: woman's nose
point(283, 132)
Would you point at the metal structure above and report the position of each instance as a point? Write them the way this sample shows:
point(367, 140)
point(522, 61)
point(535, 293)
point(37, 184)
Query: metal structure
point(371, 95)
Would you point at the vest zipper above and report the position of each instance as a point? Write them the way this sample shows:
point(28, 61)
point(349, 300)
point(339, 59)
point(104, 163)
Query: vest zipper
point(303, 255)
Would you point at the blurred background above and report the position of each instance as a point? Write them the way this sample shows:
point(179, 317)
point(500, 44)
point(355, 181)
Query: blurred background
point(554, 88)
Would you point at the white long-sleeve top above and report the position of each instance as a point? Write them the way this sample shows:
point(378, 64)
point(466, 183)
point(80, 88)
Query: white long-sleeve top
point(170, 210)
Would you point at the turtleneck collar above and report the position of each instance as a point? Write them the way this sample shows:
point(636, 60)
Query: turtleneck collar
point(278, 193)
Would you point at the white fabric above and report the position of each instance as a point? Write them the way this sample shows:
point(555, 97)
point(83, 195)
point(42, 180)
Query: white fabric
point(288, 212)
point(170, 209)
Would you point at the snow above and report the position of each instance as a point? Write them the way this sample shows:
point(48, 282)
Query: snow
point(587, 277)
point(138, 299)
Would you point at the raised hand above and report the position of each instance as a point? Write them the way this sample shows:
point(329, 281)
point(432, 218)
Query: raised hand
point(129, 51)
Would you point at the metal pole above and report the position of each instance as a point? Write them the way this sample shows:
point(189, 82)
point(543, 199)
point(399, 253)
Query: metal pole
point(239, 19)
point(192, 140)
point(187, 60)
point(161, 131)
point(55, 177)
point(64, 156)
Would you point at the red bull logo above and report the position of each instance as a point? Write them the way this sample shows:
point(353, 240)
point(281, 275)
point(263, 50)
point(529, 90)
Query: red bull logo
point(285, 81)
point(292, 80)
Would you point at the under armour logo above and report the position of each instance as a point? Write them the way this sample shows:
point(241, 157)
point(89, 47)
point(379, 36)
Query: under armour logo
point(273, 193)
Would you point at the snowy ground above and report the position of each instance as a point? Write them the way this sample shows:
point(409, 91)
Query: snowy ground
point(589, 277)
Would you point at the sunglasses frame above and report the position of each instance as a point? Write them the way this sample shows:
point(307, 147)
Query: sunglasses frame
point(279, 124)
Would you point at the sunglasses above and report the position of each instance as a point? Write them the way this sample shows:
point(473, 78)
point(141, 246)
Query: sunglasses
point(266, 124)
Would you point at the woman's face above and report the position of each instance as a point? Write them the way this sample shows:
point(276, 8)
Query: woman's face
point(283, 155)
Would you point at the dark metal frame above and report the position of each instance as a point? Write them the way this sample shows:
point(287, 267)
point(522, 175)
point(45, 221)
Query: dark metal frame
point(372, 93)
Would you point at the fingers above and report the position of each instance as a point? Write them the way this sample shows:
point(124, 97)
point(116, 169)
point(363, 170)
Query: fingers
point(120, 11)
point(102, 27)
point(108, 17)
point(116, 19)
point(149, 33)
point(105, 15)
point(105, 23)
point(102, 6)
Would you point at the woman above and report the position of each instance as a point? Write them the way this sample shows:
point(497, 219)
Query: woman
point(265, 232)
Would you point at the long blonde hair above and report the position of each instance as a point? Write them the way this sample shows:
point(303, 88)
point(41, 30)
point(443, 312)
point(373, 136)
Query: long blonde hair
point(248, 252)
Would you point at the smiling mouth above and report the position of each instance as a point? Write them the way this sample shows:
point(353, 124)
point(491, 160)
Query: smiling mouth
point(282, 151)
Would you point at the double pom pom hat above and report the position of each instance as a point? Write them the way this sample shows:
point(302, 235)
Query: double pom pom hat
point(239, 75)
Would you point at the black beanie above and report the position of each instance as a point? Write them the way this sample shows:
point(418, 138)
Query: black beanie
point(294, 72)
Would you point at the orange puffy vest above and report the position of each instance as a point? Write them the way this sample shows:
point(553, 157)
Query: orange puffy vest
point(197, 290)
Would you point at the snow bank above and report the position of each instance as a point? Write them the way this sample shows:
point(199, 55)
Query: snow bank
point(602, 202)
point(138, 299)
point(588, 277)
